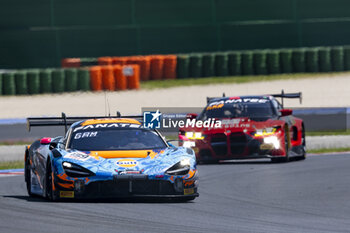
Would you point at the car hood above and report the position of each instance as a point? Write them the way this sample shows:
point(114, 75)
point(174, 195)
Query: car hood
point(150, 162)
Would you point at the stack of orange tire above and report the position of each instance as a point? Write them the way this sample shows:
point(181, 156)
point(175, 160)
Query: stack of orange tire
point(120, 78)
point(134, 79)
point(108, 81)
point(145, 65)
point(70, 62)
point(170, 63)
point(157, 64)
point(105, 61)
point(96, 78)
point(119, 60)
point(145, 68)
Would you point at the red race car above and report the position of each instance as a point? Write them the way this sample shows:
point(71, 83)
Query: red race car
point(250, 127)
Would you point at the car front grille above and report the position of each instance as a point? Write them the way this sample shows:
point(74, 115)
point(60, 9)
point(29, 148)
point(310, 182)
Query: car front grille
point(219, 144)
point(238, 142)
point(122, 188)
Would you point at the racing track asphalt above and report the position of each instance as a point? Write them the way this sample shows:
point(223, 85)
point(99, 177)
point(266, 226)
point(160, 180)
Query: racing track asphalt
point(256, 196)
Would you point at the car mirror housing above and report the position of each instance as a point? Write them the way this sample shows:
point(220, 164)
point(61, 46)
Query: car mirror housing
point(286, 112)
point(45, 141)
point(191, 116)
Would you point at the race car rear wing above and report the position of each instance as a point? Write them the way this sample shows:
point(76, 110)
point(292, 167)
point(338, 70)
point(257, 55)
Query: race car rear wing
point(282, 95)
point(66, 121)
point(212, 98)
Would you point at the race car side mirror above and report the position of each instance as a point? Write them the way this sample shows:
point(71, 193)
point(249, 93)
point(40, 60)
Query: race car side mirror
point(45, 141)
point(286, 112)
point(191, 116)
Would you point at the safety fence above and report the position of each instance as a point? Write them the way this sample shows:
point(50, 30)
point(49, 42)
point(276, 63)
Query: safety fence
point(95, 78)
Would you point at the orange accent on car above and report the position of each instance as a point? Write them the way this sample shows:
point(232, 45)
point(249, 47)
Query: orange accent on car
point(122, 154)
point(110, 120)
point(67, 186)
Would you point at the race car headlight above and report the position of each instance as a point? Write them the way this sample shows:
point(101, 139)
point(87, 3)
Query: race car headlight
point(74, 170)
point(272, 140)
point(189, 144)
point(194, 135)
point(185, 162)
point(180, 168)
point(265, 131)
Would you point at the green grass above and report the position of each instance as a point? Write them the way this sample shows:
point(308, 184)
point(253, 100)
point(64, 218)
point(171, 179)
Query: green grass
point(153, 84)
point(11, 164)
point(12, 143)
point(328, 150)
point(328, 133)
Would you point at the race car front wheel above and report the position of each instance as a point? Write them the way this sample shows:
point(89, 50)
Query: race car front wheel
point(286, 149)
point(50, 194)
point(28, 178)
point(303, 143)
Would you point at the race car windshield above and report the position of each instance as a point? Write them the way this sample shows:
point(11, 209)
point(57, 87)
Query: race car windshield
point(253, 110)
point(116, 139)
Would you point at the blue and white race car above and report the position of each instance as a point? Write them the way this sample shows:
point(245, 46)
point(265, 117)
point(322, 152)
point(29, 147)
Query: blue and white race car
point(108, 158)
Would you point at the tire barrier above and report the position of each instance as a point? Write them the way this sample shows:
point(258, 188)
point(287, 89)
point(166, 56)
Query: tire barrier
point(347, 57)
point(260, 62)
point(324, 56)
point(286, 61)
point(58, 81)
point(134, 77)
point(221, 64)
point(143, 61)
point(120, 79)
point(311, 60)
point(183, 66)
point(21, 82)
point(273, 62)
point(119, 60)
point(234, 63)
point(121, 73)
point(108, 82)
point(208, 65)
point(71, 80)
point(96, 78)
point(337, 57)
point(45, 80)
point(157, 64)
point(247, 63)
point(83, 80)
point(169, 68)
point(196, 65)
point(0, 83)
point(33, 82)
point(105, 61)
point(8, 82)
point(88, 61)
point(298, 60)
point(71, 62)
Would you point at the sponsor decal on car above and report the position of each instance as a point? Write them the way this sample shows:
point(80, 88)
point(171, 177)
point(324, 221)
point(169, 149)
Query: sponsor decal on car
point(107, 125)
point(189, 191)
point(126, 163)
point(77, 156)
point(67, 194)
